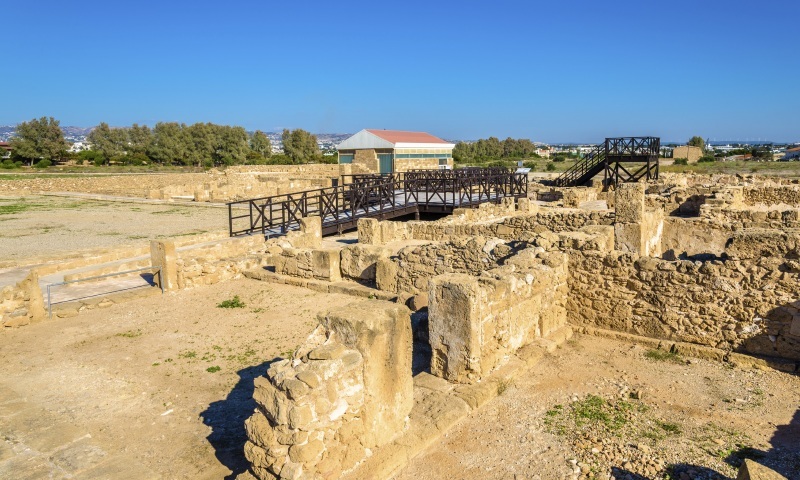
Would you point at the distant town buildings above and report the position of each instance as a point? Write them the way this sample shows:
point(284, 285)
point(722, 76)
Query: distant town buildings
point(79, 147)
point(792, 154)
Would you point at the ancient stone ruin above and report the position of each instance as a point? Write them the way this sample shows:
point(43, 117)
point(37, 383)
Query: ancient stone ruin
point(702, 266)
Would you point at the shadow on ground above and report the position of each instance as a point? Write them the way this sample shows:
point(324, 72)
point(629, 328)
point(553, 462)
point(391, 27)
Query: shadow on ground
point(226, 419)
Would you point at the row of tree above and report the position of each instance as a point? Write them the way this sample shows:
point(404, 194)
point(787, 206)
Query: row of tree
point(168, 143)
point(494, 149)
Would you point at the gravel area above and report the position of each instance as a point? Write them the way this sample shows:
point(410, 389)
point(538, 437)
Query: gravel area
point(35, 228)
point(600, 408)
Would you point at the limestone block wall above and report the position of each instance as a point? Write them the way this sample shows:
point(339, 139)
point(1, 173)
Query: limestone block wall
point(413, 267)
point(475, 322)
point(692, 154)
point(772, 195)
point(359, 262)
point(321, 264)
point(574, 196)
point(22, 303)
point(233, 183)
point(636, 228)
point(366, 161)
point(518, 226)
point(212, 262)
point(741, 305)
point(346, 390)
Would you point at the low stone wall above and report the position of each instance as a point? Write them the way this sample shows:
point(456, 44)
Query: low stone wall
point(772, 195)
point(413, 267)
point(518, 226)
point(345, 391)
point(747, 306)
point(359, 262)
point(476, 322)
point(22, 303)
point(233, 183)
point(321, 264)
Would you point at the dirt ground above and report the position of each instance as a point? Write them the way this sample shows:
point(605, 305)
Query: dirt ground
point(696, 419)
point(164, 383)
point(46, 226)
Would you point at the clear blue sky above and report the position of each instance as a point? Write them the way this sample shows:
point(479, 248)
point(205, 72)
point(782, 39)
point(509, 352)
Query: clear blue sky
point(553, 71)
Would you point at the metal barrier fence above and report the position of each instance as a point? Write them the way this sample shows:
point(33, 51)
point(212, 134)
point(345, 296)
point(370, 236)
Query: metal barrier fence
point(49, 296)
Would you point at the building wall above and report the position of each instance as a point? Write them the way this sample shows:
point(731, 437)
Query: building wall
point(366, 160)
point(690, 153)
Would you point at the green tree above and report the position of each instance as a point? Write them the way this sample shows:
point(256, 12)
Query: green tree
point(39, 139)
point(232, 146)
point(171, 144)
point(260, 143)
point(697, 142)
point(109, 142)
point(299, 145)
point(139, 138)
point(203, 140)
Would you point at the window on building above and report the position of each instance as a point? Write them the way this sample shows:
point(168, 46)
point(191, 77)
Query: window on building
point(346, 158)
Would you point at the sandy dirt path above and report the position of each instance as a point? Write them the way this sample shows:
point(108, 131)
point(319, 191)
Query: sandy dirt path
point(165, 382)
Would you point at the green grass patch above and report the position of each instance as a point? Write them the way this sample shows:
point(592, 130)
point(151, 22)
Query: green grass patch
point(213, 369)
point(663, 356)
point(671, 428)
point(234, 302)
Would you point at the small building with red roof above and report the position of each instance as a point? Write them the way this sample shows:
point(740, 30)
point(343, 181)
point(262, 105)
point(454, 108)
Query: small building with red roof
point(391, 151)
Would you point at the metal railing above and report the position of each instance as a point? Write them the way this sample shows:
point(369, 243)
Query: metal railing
point(96, 277)
point(374, 196)
point(613, 151)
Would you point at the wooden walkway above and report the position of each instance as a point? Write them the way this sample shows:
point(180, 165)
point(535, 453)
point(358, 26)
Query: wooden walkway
point(376, 196)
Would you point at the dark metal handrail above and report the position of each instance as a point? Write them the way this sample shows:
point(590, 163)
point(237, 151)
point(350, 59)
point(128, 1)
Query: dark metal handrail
point(374, 196)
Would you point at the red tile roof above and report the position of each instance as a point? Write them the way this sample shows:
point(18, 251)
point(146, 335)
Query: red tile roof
point(796, 149)
point(397, 136)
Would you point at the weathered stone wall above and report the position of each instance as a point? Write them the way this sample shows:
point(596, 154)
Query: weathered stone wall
point(743, 305)
point(212, 262)
point(772, 195)
point(414, 266)
point(22, 303)
point(573, 197)
point(359, 262)
point(346, 390)
point(692, 154)
point(518, 226)
point(477, 321)
point(322, 264)
point(366, 160)
point(233, 183)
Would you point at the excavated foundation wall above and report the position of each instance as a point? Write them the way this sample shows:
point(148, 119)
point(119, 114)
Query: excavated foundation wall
point(345, 392)
point(477, 321)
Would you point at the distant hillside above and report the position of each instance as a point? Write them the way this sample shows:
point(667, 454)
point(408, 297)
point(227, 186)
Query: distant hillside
point(71, 134)
point(78, 134)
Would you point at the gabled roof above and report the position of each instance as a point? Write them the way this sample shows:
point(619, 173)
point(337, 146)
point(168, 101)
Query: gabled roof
point(399, 136)
point(371, 138)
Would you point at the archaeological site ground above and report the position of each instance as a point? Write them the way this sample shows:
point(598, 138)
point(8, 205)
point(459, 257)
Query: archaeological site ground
point(477, 325)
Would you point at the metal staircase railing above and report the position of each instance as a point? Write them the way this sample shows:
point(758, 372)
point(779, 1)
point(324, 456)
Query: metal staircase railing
point(589, 163)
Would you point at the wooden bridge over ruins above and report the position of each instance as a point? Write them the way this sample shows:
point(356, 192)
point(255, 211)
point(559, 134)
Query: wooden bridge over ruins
point(624, 159)
point(376, 196)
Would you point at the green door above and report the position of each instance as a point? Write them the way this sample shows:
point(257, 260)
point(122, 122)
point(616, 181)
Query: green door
point(385, 163)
